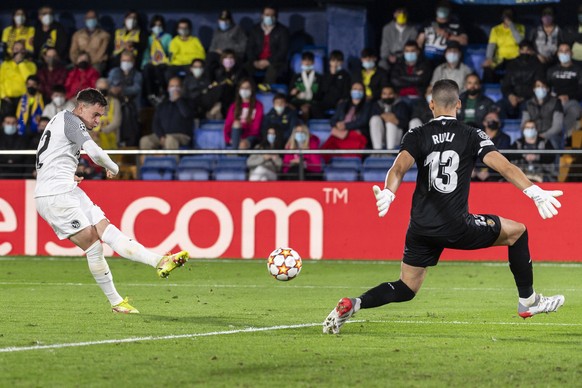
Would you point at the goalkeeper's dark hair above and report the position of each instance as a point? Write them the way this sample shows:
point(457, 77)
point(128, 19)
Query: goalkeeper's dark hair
point(445, 93)
point(91, 96)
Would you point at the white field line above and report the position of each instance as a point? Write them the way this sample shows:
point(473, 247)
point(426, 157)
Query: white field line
point(13, 349)
point(315, 262)
point(242, 286)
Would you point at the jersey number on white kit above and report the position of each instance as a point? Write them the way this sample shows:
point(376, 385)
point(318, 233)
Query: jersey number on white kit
point(443, 170)
point(46, 137)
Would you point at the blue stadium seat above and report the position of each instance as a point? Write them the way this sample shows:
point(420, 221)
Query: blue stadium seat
point(280, 88)
point(197, 167)
point(230, 161)
point(353, 162)
point(158, 168)
point(266, 98)
point(384, 162)
point(229, 174)
point(374, 174)
point(210, 135)
point(410, 175)
point(512, 128)
point(212, 124)
point(320, 128)
point(493, 91)
point(474, 57)
point(344, 174)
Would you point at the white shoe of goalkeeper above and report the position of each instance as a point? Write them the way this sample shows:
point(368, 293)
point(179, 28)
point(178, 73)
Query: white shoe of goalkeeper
point(542, 304)
point(339, 315)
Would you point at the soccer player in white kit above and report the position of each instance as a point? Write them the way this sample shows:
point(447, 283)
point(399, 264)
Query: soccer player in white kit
point(70, 212)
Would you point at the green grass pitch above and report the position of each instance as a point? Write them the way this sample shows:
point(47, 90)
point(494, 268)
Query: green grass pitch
point(228, 323)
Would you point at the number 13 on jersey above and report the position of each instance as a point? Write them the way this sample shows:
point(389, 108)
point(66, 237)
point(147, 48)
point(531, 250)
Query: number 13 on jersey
point(442, 170)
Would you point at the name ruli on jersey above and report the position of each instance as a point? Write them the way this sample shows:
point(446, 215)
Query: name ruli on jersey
point(446, 137)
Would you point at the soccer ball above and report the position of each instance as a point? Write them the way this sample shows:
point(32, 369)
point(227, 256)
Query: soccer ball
point(284, 264)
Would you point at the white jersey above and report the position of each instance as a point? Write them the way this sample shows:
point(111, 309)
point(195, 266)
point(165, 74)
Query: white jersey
point(58, 153)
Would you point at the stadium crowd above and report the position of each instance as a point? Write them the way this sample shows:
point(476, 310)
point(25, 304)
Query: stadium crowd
point(162, 86)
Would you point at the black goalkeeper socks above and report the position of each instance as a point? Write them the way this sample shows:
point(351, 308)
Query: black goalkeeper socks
point(386, 293)
point(521, 267)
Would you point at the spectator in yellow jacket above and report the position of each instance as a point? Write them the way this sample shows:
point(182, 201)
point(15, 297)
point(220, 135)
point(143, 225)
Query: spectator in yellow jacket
point(14, 72)
point(184, 48)
point(18, 31)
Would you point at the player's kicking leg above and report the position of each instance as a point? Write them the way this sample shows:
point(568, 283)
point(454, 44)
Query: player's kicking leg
point(133, 250)
point(403, 290)
point(515, 236)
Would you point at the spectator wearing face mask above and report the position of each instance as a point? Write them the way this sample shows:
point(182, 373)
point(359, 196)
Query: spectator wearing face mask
point(12, 166)
point(196, 84)
point(51, 73)
point(14, 72)
point(49, 33)
point(244, 118)
point(305, 87)
point(173, 120)
point(82, 76)
point(565, 81)
point(474, 104)
point(266, 167)
point(280, 117)
point(453, 68)
point(492, 126)
point(184, 48)
point(411, 74)
point(302, 139)
point(130, 79)
point(58, 102)
point(370, 75)
point(223, 81)
point(336, 83)
point(390, 116)
point(434, 36)
point(546, 37)
point(537, 167)
point(156, 59)
point(394, 35)
point(547, 113)
point(227, 36)
point(18, 31)
point(268, 46)
point(349, 124)
point(93, 40)
point(518, 82)
point(130, 37)
point(106, 134)
point(29, 109)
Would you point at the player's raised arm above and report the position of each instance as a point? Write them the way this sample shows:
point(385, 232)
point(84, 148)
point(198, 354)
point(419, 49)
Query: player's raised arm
point(100, 157)
point(384, 197)
point(545, 200)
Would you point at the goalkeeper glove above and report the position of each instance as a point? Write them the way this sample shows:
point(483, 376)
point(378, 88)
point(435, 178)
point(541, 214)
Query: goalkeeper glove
point(545, 200)
point(383, 200)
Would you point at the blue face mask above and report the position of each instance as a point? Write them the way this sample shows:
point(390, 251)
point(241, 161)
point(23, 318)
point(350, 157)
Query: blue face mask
point(530, 133)
point(357, 94)
point(91, 23)
point(271, 138)
point(452, 57)
point(10, 130)
point(564, 58)
point(410, 57)
point(540, 93)
point(268, 21)
point(306, 67)
point(223, 25)
point(368, 65)
point(300, 137)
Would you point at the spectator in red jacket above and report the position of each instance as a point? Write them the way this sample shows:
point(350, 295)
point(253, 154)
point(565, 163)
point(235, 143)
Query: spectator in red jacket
point(51, 73)
point(301, 138)
point(82, 76)
point(242, 126)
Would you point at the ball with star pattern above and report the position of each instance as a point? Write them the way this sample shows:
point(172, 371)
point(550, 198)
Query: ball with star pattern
point(284, 264)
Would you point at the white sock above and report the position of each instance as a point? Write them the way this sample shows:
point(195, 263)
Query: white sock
point(527, 302)
point(100, 271)
point(357, 305)
point(129, 248)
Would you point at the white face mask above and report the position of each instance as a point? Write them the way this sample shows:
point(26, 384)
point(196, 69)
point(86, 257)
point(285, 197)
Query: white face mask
point(19, 20)
point(197, 71)
point(245, 93)
point(46, 19)
point(59, 100)
point(126, 66)
point(530, 133)
point(130, 23)
point(279, 109)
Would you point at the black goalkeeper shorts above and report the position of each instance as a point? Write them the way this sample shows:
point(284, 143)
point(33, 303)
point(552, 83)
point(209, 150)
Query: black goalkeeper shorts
point(482, 230)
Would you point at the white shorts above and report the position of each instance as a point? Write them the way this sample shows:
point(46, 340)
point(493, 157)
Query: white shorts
point(69, 213)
